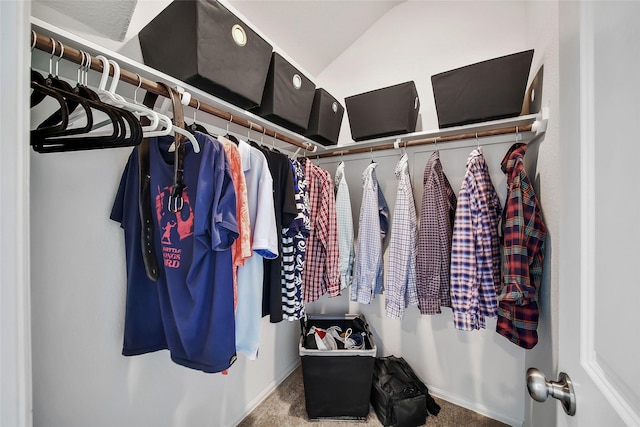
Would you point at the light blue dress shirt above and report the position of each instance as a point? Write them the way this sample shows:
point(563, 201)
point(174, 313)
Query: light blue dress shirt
point(345, 227)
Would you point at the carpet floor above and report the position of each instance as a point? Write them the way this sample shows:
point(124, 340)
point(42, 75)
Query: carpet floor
point(285, 407)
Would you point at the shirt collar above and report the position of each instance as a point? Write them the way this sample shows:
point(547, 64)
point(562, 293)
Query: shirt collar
point(369, 173)
point(474, 155)
point(339, 174)
point(245, 155)
point(402, 165)
point(515, 152)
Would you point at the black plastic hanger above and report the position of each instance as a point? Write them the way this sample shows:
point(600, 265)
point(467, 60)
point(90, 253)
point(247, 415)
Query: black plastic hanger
point(195, 126)
point(36, 96)
point(55, 82)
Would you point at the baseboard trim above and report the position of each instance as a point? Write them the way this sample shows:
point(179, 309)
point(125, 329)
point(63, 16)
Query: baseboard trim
point(267, 391)
point(475, 407)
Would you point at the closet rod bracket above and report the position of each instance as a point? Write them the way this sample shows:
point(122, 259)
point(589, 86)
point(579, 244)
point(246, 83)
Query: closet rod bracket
point(540, 125)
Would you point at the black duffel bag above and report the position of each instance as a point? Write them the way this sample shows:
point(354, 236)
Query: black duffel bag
point(398, 396)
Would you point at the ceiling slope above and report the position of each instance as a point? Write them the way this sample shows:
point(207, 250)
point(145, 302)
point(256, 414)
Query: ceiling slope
point(313, 32)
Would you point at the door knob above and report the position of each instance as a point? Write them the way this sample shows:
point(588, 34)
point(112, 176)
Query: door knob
point(539, 389)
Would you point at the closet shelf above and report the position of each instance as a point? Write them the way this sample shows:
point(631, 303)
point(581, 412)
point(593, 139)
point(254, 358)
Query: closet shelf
point(531, 127)
point(131, 70)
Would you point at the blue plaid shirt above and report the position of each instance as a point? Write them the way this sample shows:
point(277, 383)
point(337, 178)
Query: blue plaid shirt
point(373, 228)
point(475, 253)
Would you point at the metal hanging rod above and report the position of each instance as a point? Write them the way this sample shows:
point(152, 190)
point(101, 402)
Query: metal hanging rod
point(46, 44)
point(537, 124)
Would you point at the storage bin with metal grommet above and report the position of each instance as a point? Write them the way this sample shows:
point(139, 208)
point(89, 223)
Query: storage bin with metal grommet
point(205, 45)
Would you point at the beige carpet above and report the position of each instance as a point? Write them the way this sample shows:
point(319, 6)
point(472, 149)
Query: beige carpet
point(285, 408)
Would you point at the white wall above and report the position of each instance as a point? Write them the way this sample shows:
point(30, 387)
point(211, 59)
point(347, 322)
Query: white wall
point(78, 287)
point(416, 40)
point(479, 370)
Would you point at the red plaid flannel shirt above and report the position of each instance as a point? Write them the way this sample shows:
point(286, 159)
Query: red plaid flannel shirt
point(523, 239)
point(322, 271)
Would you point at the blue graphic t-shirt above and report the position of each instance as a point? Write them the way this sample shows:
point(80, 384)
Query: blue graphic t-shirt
point(189, 310)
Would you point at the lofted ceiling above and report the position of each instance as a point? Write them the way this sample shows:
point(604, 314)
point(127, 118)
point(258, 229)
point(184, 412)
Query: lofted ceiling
point(311, 32)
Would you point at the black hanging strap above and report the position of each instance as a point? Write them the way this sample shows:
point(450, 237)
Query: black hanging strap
point(175, 199)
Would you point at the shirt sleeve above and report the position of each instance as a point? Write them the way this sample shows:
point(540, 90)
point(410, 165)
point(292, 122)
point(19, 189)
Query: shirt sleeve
point(487, 304)
point(118, 209)
point(265, 235)
point(518, 250)
point(430, 247)
point(345, 233)
point(242, 211)
point(463, 258)
point(289, 208)
point(224, 226)
point(329, 237)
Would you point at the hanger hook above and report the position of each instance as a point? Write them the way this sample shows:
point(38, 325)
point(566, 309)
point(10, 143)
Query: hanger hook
point(59, 57)
point(250, 129)
point(53, 52)
point(517, 134)
point(195, 111)
point(84, 58)
point(87, 67)
point(477, 141)
point(35, 39)
point(135, 92)
point(229, 122)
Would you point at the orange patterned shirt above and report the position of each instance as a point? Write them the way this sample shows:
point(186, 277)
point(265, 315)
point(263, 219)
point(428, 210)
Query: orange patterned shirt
point(241, 249)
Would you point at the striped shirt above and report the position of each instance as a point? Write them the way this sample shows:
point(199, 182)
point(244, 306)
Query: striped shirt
point(523, 234)
point(400, 286)
point(321, 273)
point(345, 227)
point(434, 241)
point(475, 252)
point(373, 228)
point(294, 240)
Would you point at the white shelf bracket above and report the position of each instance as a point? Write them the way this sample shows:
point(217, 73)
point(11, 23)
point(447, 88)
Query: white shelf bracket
point(540, 125)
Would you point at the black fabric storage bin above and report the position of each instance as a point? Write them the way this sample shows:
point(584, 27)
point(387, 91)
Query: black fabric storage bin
point(193, 41)
point(326, 118)
point(383, 112)
point(337, 383)
point(288, 96)
point(488, 90)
